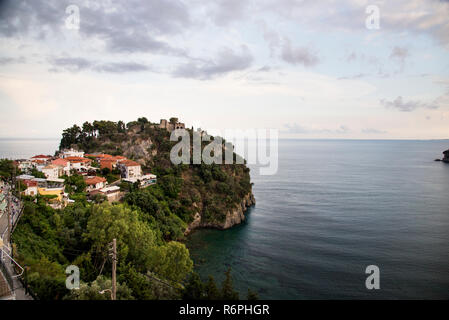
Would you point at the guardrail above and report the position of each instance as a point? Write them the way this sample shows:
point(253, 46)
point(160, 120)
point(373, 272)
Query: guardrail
point(6, 275)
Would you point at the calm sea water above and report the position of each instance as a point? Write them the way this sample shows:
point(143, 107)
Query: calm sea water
point(333, 208)
point(27, 148)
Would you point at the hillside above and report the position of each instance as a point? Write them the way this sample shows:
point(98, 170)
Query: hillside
point(200, 195)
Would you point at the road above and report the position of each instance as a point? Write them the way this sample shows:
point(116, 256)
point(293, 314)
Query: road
point(15, 211)
point(19, 291)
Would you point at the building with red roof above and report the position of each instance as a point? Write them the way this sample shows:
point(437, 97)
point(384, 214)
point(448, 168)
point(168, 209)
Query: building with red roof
point(95, 183)
point(129, 169)
point(31, 189)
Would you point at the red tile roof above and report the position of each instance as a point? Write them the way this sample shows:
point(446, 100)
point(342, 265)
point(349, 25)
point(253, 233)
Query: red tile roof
point(30, 183)
point(41, 156)
point(60, 162)
point(38, 161)
point(130, 163)
point(107, 163)
point(77, 159)
point(93, 180)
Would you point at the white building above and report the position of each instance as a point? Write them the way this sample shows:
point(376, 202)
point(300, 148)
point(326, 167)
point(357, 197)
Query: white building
point(51, 171)
point(31, 189)
point(64, 166)
point(72, 153)
point(112, 193)
point(25, 165)
point(144, 180)
point(129, 169)
point(95, 183)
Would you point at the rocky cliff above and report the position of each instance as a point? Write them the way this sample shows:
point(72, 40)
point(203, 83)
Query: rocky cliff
point(201, 195)
point(233, 217)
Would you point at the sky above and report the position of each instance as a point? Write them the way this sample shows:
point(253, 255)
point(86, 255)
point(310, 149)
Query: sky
point(311, 69)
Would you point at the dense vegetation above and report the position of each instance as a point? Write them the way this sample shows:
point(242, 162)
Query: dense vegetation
point(6, 169)
point(149, 224)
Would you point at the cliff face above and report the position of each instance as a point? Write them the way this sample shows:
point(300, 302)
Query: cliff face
point(233, 217)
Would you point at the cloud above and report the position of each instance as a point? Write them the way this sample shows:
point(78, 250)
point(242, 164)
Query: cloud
point(298, 55)
point(226, 61)
point(356, 76)
point(76, 64)
point(122, 67)
point(227, 11)
point(299, 129)
point(427, 17)
point(70, 64)
point(128, 26)
point(407, 106)
point(373, 131)
point(399, 53)
point(295, 128)
point(11, 60)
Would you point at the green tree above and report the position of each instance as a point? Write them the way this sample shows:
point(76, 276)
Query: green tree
point(37, 174)
point(194, 289)
point(227, 288)
point(75, 183)
point(211, 289)
point(135, 239)
point(173, 120)
point(100, 289)
point(172, 262)
point(252, 295)
point(6, 168)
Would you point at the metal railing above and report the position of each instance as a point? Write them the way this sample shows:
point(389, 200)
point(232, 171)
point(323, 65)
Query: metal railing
point(6, 275)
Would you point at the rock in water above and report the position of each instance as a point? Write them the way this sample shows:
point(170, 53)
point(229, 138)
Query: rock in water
point(446, 156)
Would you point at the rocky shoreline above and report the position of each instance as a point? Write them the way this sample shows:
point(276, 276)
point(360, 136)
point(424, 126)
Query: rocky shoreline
point(233, 217)
point(445, 158)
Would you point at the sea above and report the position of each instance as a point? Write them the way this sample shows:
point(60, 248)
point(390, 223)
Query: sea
point(334, 208)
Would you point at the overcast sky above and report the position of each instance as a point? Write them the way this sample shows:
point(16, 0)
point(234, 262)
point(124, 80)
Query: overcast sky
point(311, 69)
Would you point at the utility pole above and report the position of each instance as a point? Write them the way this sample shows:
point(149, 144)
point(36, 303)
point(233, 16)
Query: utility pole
point(114, 269)
point(9, 216)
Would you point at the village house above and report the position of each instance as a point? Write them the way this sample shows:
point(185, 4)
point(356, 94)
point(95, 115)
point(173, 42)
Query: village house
point(63, 166)
point(51, 171)
point(51, 187)
point(110, 162)
point(112, 193)
point(72, 153)
point(99, 156)
point(129, 169)
point(144, 180)
point(94, 183)
point(40, 158)
point(31, 189)
point(25, 165)
point(79, 163)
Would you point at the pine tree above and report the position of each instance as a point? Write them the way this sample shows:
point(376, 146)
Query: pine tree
point(194, 288)
point(227, 289)
point(252, 295)
point(211, 289)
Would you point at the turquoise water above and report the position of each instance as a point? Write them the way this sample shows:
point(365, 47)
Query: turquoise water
point(333, 208)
